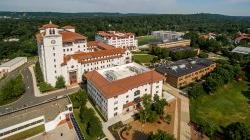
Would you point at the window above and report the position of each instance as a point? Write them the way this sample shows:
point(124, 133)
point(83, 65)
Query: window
point(115, 114)
point(55, 71)
point(126, 101)
point(127, 96)
point(54, 54)
point(116, 97)
point(115, 108)
point(63, 50)
point(55, 66)
point(146, 89)
point(157, 92)
point(116, 102)
point(157, 86)
point(54, 60)
point(137, 93)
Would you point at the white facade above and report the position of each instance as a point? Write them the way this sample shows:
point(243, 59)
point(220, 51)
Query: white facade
point(167, 36)
point(118, 39)
point(55, 44)
point(50, 121)
point(129, 98)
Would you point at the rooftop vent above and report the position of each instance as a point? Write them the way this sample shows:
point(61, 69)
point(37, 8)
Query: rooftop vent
point(182, 66)
point(110, 75)
point(174, 67)
point(135, 69)
point(193, 62)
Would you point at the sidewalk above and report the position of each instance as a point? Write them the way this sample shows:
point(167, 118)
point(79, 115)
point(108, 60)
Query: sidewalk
point(37, 92)
point(183, 113)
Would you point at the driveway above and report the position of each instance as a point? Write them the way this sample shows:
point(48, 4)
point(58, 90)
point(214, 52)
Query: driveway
point(29, 98)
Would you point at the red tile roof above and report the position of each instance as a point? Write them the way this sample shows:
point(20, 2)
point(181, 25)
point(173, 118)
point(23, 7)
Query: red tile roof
point(95, 56)
point(99, 45)
point(50, 25)
point(71, 36)
point(110, 34)
point(68, 27)
point(111, 89)
point(67, 36)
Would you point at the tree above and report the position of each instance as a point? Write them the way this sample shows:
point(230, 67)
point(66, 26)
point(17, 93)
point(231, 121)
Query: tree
point(12, 89)
point(60, 83)
point(196, 91)
point(210, 84)
point(237, 131)
point(94, 127)
point(161, 135)
point(159, 105)
point(79, 98)
point(86, 114)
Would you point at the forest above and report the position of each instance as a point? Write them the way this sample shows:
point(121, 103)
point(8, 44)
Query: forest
point(24, 27)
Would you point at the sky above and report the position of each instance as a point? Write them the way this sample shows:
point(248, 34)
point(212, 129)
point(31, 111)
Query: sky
point(226, 7)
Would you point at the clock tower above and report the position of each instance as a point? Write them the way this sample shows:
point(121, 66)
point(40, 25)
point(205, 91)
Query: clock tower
point(52, 52)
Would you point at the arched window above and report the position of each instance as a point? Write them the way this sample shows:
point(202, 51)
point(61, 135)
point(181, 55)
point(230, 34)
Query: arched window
point(137, 93)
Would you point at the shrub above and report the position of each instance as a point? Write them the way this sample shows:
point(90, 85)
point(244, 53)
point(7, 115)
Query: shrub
point(44, 87)
point(60, 82)
point(38, 73)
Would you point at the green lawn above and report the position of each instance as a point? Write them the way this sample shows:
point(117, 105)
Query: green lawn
point(143, 58)
point(146, 39)
point(225, 106)
point(26, 134)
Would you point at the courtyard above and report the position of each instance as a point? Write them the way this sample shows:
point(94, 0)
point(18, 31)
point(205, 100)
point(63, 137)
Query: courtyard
point(136, 130)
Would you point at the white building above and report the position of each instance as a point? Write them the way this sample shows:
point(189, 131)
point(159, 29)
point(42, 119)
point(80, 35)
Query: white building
point(12, 65)
point(118, 90)
point(49, 114)
point(118, 39)
point(168, 36)
point(241, 50)
point(62, 52)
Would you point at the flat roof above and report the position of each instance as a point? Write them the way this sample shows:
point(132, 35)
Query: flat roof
point(13, 62)
point(49, 110)
point(111, 87)
point(184, 67)
point(123, 71)
point(177, 49)
point(242, 50)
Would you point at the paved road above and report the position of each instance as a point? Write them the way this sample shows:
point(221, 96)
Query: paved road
point(28, 98)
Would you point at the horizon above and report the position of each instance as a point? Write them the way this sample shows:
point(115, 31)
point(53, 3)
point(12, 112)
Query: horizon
point(222, 7)
point(121, 13)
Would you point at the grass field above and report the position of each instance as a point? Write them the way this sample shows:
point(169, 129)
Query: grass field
point(225, 106)
point(143, 58)
point(27, 133)
point(146, 39)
